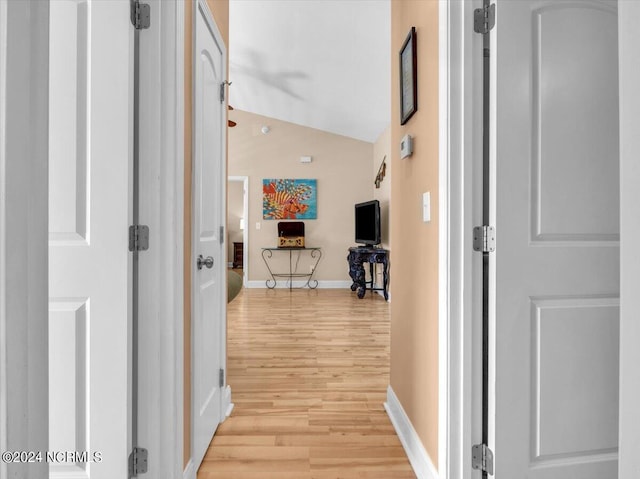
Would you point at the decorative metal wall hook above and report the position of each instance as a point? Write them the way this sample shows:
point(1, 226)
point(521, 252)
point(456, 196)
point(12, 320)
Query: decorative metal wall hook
point(381, 172)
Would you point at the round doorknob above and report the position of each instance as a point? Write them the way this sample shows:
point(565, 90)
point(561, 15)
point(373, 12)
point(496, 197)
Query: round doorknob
point(202, 261)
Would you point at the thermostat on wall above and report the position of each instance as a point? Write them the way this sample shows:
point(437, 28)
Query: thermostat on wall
point(406, 146)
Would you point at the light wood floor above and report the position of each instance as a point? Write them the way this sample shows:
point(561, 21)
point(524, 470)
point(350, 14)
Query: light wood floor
point(308, 372)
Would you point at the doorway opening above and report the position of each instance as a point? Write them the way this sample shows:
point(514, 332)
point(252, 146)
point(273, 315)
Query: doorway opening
point(237, 225)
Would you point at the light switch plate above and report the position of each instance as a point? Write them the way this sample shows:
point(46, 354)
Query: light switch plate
point(258, 225)
point(426, 207)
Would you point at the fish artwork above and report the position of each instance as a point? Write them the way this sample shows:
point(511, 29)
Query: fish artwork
point(289, 199)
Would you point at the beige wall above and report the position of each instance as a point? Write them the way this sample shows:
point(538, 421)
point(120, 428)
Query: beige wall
point(220, 10)
point(414, 289)
point(235, 204)
point(381, 150)
point(342, 167)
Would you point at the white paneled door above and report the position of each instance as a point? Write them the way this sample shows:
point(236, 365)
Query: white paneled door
point(557, 224)
point(89, 152)
point(208, 257)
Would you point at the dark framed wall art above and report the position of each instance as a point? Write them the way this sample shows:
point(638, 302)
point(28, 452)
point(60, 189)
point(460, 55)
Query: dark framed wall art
point(408, 77)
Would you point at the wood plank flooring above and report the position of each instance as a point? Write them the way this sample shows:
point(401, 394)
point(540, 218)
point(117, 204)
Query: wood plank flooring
point(308, 371)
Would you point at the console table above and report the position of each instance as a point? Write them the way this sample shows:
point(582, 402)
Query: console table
point(358, 255)
point(315, 253)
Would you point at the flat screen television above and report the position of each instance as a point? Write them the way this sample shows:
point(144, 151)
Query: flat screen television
point(368, 223)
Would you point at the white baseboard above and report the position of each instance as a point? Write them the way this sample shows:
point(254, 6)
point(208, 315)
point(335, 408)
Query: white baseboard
point(227, 405)
point(189, 471)
point(322, 284)
point(417, 454)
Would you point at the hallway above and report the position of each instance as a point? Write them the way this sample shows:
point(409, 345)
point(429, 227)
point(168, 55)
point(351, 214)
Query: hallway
point(309, 372)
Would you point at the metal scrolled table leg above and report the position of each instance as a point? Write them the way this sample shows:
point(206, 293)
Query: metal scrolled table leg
point(314, 253)
point(267, 253)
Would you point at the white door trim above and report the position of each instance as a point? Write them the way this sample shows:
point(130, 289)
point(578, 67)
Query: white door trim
point(460, 145)
point(245, 232)
point(24, 153)
point(445, 231)
point(629, 59)
point(4, 382)
point(161, 313)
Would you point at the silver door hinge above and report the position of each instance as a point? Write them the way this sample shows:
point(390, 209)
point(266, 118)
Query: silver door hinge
point(138, 238)
point(221, 377)
point(222, 90)
point(222, 235)
point(484, 239)
point(140, 15)
point(482, 458)
point(138, 461)
point(484, 19)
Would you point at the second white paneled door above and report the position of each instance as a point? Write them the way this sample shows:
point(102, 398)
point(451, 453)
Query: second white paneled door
point(89, 285)
point(557, 224)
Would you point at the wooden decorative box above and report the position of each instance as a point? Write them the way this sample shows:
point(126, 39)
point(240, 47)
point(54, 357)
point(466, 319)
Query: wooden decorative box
point(290, 241)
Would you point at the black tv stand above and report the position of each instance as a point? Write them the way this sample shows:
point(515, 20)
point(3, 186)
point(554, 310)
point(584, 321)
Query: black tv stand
point(358, 255)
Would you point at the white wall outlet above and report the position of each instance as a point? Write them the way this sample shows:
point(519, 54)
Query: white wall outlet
point(426, 207)
point(305, 159)
point(258, 225)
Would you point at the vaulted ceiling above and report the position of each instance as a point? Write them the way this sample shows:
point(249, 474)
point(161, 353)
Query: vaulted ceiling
point(324, 64)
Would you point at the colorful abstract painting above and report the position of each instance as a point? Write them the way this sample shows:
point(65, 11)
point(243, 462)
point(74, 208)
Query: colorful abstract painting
point(289, 199)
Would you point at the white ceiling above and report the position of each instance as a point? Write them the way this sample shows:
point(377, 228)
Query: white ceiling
point(318, 63)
